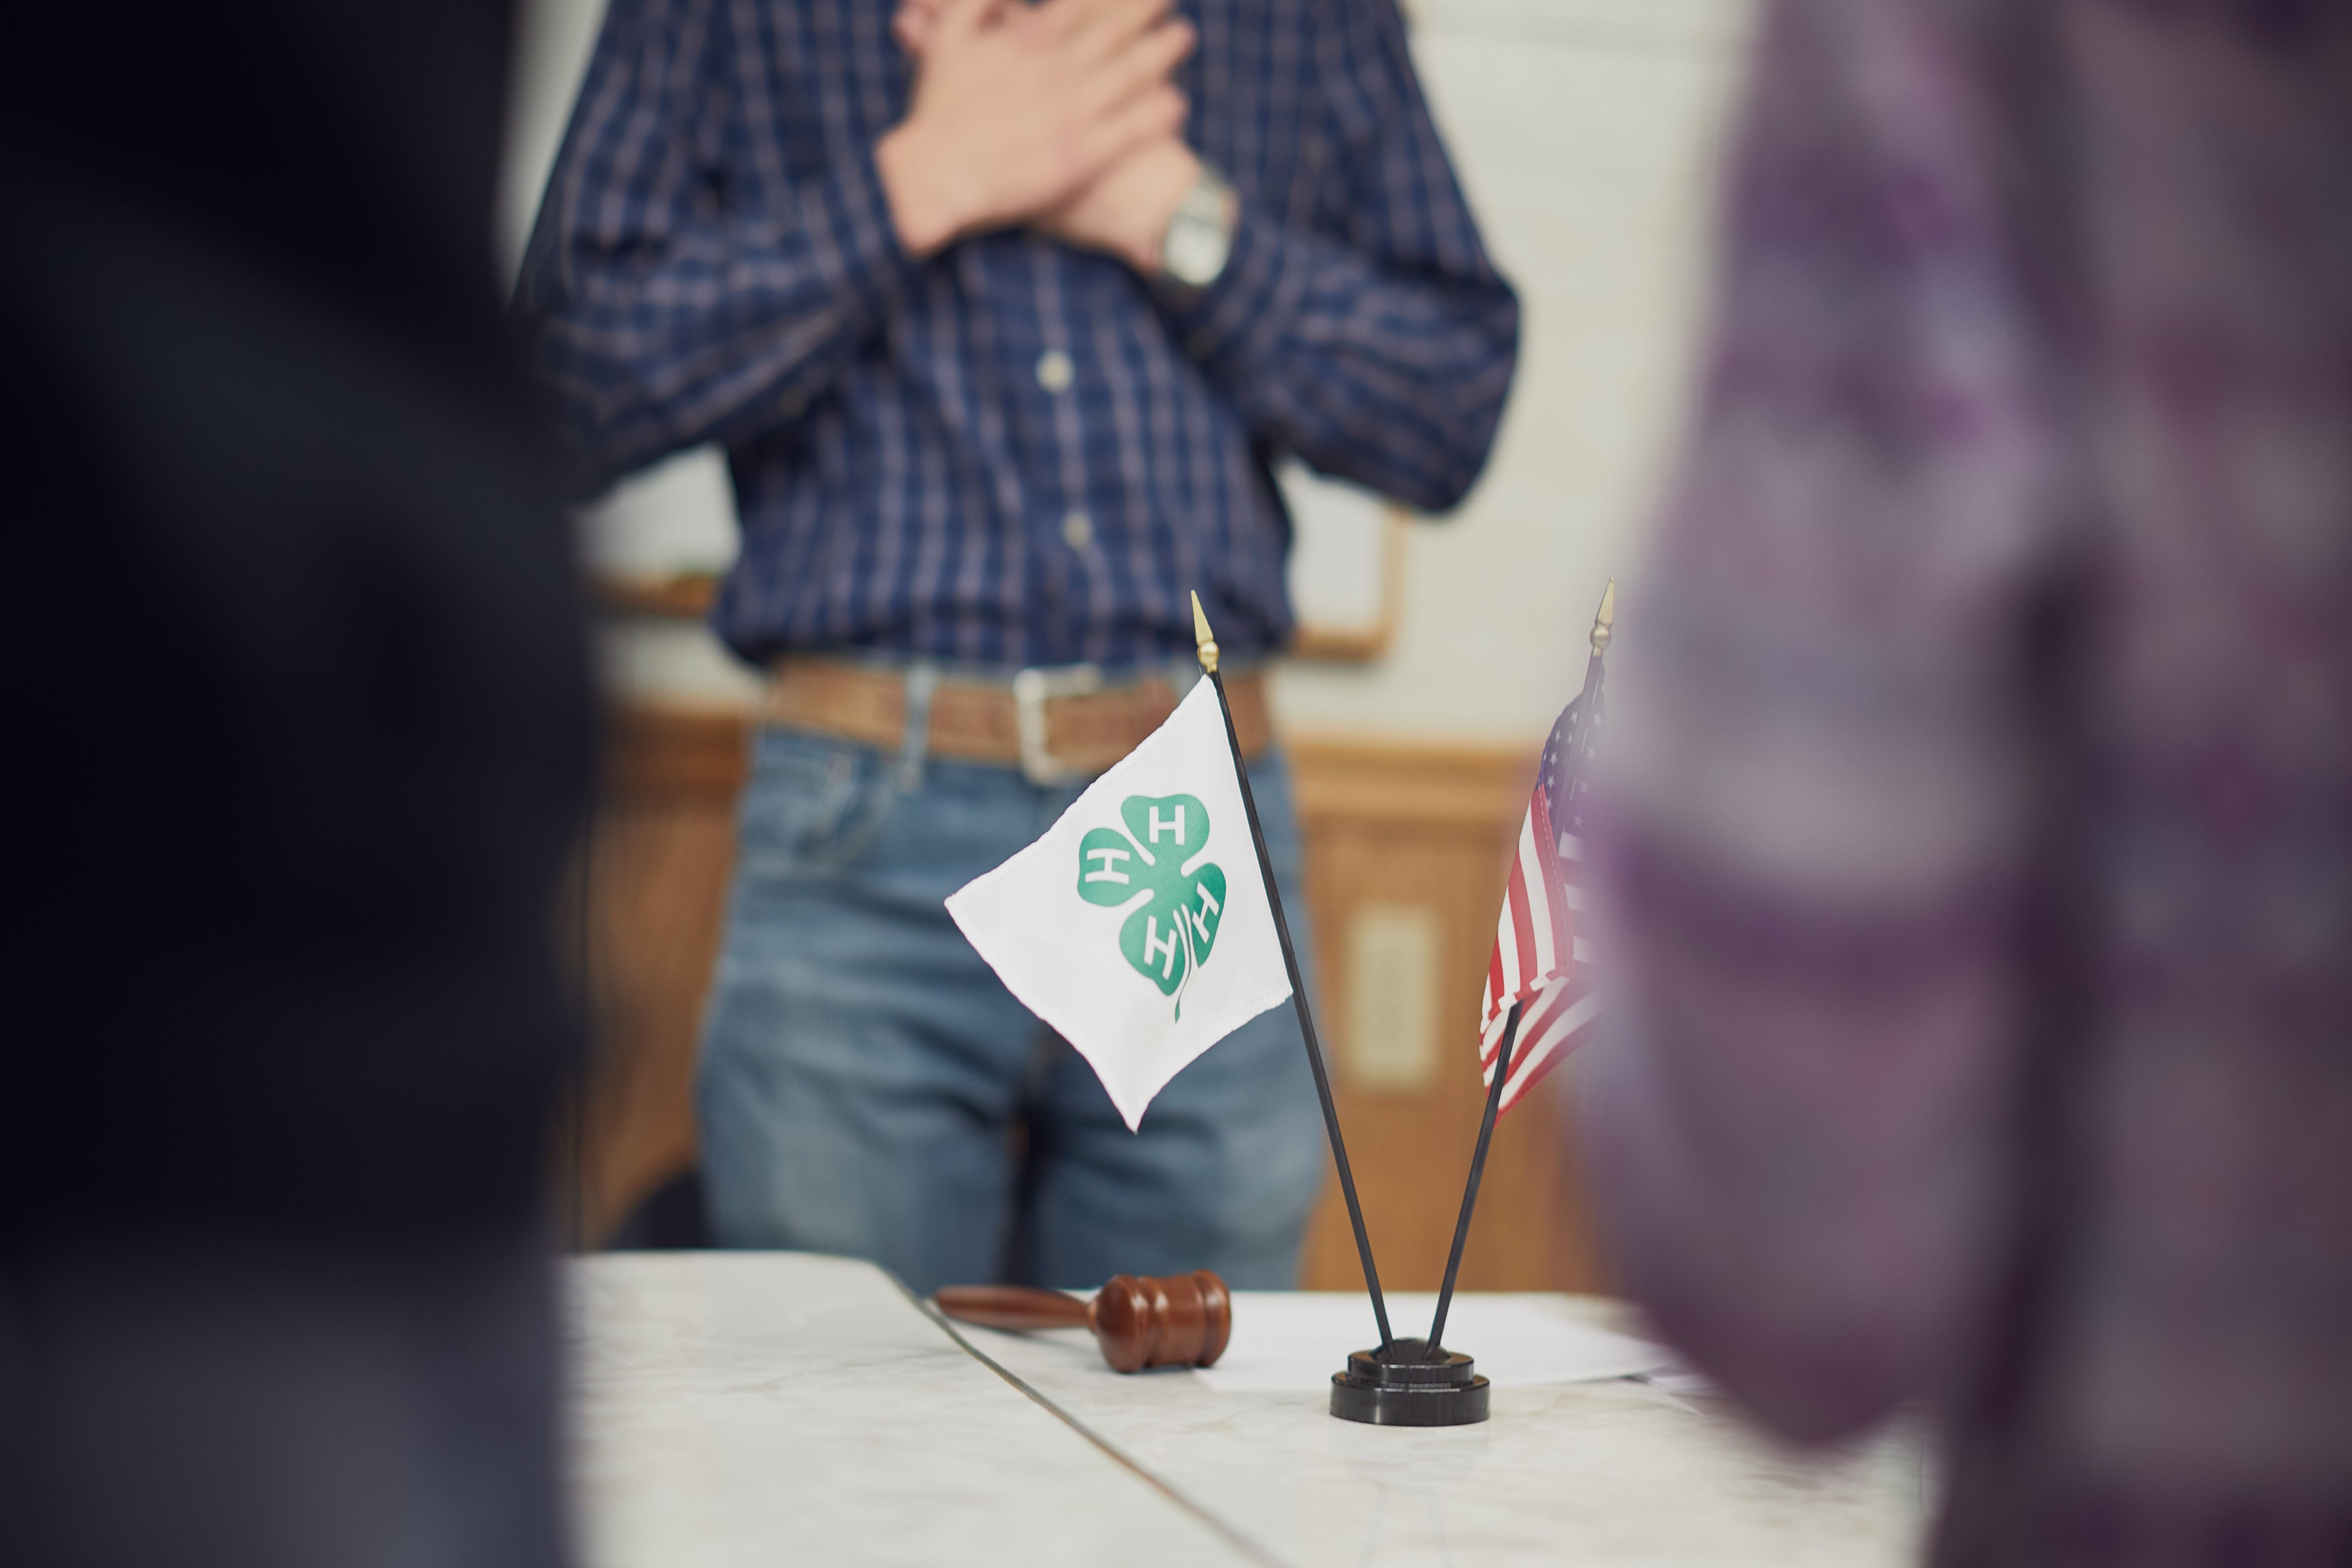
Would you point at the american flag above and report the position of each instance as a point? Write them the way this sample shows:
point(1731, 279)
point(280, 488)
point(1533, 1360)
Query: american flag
point(1539, 959)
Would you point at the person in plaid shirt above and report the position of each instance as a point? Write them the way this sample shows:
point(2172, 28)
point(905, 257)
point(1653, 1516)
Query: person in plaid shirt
point(1975, 827)
point(1003, 313)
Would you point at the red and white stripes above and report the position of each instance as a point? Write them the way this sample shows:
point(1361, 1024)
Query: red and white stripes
point(1551, 1026)
point(1539, 959)
point(1533, 943)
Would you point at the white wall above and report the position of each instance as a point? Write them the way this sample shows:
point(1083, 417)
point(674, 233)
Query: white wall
point(1586, 133)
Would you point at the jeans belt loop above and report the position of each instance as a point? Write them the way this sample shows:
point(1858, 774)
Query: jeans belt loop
point(922, 679)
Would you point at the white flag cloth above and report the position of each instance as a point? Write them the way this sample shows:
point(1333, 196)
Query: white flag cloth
point(1138, 926)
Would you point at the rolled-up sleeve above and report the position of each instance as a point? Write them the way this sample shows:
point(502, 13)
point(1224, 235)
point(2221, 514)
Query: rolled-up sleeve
point(1378, 350)
point(660, 309)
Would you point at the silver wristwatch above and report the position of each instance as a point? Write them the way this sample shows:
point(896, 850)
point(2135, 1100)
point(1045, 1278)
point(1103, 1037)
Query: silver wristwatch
point(1199, 233)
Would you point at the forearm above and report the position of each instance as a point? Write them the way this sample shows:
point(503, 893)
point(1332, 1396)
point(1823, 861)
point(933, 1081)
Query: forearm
point(656, 336)
point(1390, 378)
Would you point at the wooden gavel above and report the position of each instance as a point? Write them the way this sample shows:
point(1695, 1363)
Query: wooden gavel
point(1183, 1320)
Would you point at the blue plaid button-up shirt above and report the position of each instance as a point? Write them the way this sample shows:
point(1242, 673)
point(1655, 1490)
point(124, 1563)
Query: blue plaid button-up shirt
point(1015, 453)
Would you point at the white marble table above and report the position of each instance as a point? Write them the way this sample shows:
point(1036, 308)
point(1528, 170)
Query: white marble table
point(745, 1407)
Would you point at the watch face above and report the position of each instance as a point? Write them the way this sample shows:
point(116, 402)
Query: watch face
point(1200, 235)
point(1195, 250)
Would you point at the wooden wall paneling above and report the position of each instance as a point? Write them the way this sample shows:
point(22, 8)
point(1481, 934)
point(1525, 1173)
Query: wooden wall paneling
point(664, 847)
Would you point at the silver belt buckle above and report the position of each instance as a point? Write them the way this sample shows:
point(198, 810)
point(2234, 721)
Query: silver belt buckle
point(1031, 690)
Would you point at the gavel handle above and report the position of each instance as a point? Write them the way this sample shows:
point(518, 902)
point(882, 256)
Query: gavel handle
point(1012, 1307)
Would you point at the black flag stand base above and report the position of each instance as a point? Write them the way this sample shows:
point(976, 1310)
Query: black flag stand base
point(1419, 1383)
point(1405, 1388)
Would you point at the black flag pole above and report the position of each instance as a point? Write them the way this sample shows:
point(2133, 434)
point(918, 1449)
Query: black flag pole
point(1208, 649)
point(1478, 1171)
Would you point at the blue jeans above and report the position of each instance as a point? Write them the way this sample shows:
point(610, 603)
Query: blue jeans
point(863, 1070)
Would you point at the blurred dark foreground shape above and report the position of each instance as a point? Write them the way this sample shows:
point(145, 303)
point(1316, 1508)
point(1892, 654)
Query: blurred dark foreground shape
point(1980, 827)
point(298, 727)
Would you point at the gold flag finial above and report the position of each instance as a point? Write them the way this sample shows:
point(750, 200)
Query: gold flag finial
point(1606, 619)
point(1204, 635)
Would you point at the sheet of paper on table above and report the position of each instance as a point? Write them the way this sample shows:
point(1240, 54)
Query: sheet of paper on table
point(1285, 1342)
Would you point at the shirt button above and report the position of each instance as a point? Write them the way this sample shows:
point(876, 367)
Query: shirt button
point(1077, 531)
point(1054, 371)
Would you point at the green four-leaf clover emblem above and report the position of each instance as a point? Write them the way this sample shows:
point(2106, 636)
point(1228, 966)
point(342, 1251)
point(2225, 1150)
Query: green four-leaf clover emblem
point(1170, 933)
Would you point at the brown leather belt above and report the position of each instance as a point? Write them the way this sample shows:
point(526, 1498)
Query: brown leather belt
point(1055, 725)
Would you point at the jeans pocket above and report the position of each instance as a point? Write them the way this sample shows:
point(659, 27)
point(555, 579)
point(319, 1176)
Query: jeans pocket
point(813, 805)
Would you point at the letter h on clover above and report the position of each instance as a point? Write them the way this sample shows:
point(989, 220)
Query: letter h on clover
point(1168, 934)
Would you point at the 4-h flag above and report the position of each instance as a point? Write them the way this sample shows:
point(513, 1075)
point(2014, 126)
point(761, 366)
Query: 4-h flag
point(1138, 926)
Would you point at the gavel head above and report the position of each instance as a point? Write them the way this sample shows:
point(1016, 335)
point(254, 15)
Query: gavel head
point(1183, 1320)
